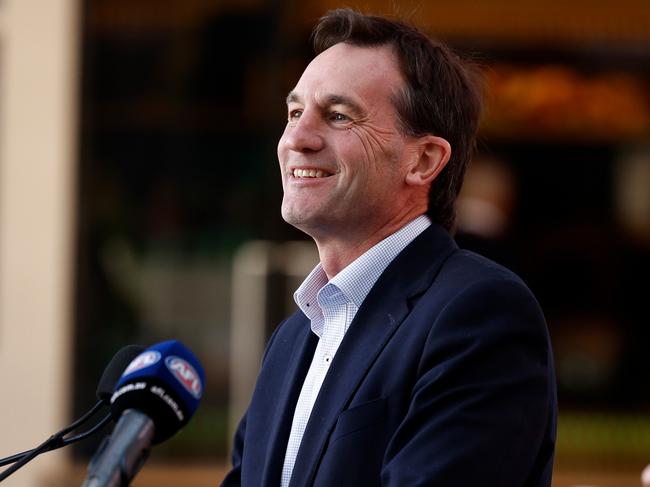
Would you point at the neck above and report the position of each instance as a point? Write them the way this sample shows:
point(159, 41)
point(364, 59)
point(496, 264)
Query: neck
point(338, 251)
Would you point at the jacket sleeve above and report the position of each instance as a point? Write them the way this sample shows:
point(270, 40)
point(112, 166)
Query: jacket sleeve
point(233, 477)
point(482, 411)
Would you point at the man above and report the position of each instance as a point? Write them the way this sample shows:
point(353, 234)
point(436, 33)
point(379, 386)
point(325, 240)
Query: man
point(410, 362)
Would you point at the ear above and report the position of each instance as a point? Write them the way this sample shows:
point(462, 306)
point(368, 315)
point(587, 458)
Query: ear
point(430, 157)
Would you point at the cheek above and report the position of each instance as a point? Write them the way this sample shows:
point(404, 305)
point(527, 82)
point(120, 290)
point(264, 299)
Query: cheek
point(373, 146)
point(358, 144)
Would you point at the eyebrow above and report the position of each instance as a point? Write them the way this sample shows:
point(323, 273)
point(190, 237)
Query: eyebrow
point(332, 99)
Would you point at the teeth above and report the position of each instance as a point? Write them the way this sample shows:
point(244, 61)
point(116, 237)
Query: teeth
point(308, 173)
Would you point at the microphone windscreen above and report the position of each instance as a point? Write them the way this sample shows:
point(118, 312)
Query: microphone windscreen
point(114, 371)
point(165, 382)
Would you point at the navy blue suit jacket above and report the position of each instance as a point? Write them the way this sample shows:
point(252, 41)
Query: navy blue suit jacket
point(444, 378)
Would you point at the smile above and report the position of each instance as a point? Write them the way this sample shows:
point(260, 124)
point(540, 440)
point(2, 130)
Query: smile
point(310, 173)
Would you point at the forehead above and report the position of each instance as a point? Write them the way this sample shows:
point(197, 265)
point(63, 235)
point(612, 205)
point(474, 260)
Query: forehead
point(369, 74)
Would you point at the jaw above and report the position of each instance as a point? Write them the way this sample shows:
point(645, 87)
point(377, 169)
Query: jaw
point(304, 202)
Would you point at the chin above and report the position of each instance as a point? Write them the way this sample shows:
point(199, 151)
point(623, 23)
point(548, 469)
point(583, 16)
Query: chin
point(293, 217)
point(304, 222)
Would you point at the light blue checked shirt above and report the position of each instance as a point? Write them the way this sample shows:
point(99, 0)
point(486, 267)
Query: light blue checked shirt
point(331, 307)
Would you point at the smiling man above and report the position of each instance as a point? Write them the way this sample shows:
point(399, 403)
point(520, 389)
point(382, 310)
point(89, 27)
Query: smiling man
point(409, 361)
point(350, 176)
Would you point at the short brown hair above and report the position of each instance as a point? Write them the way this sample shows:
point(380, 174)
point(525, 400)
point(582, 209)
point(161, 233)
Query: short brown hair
point(442, 95)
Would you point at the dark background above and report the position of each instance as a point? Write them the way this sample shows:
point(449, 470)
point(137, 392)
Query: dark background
point(182, 106)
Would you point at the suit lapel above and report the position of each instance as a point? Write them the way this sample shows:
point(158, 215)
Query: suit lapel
point(298, 363)
point(383, 310)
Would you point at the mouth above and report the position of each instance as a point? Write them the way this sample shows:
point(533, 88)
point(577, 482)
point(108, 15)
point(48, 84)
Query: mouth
point(310, 173)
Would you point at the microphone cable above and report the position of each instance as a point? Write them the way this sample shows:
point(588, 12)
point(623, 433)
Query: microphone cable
point(110, 376)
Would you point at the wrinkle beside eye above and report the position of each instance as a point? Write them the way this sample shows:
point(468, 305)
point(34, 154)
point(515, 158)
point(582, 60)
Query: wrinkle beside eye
point(374, 139)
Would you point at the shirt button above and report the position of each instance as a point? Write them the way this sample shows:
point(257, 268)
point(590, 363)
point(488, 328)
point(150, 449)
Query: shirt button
point(328, 359)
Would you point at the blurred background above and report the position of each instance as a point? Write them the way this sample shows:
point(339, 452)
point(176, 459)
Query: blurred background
point(139, 201)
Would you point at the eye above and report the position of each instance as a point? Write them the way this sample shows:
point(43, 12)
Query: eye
point(294, 114)
point(338, 117)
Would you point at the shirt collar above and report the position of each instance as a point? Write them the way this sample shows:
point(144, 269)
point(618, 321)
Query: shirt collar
point(306, 295)
point(357, 279)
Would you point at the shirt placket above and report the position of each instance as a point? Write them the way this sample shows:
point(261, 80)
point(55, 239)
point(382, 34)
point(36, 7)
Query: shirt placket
point(334, 316)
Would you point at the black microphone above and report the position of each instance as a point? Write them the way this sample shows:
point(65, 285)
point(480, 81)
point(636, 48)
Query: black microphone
point(114, 371)
point(156, 396)
point(105, 387)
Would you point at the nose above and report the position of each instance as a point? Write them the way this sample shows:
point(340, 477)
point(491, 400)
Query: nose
point(305, 134)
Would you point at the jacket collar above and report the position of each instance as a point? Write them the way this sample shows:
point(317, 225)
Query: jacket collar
point(297, 365)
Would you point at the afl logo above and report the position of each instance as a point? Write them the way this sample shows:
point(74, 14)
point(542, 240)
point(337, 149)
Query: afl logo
point(145, 359)
point(185, 374)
